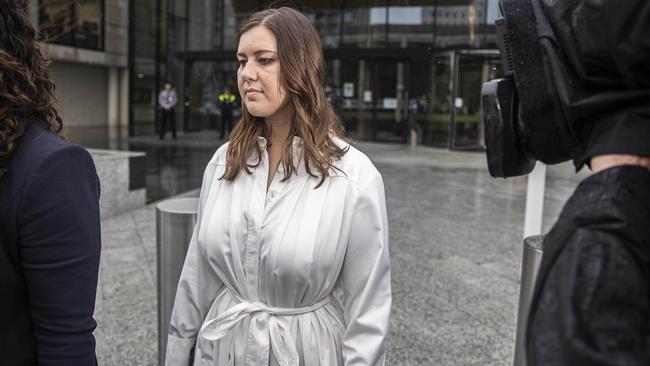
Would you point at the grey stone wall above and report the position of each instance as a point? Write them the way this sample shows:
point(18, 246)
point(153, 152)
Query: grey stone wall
point(81, 91)
point(114, 171)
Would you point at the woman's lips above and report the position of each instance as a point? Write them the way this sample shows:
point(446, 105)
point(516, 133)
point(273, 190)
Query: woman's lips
point(251, 92)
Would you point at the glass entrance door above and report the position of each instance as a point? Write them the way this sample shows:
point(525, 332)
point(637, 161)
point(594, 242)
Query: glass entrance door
point(374, 94)
point(470, 72)
point(390, 91)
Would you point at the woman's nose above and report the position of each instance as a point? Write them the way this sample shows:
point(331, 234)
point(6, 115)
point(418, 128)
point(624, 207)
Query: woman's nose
point(248, 72)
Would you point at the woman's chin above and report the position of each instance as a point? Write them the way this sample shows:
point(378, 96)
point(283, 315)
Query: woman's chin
point(255, 112)
point(258, 114)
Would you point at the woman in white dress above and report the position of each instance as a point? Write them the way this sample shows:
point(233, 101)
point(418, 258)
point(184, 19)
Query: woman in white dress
point(288, 264)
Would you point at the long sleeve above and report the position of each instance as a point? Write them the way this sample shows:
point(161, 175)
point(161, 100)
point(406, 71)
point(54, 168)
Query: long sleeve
point(197, 288)
point(162, 99)
point(366, 279)
point(59, 236)
point(592, 301)
point(594, 310)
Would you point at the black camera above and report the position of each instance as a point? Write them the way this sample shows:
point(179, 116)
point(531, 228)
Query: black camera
point(576, 83)
point(522, 115)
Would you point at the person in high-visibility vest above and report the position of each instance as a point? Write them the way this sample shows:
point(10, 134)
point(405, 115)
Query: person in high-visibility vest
point(226, 104)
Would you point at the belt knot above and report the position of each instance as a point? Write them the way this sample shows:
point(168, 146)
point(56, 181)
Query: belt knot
point(265, 331)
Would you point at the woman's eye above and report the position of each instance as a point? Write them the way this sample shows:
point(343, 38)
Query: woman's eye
point(242, 62)
point(265, 61)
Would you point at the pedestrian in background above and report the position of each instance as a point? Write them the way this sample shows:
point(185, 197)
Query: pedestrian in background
point(288, 263)
point(49, 213)
point(226, 104)
point(167, 100)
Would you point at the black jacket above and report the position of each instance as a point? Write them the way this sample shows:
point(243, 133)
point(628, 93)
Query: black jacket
point(49, 252)
point(591, 304)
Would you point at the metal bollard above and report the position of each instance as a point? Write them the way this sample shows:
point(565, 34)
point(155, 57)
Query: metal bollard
point(175, 220)
point(533, 249)
point(413, 138)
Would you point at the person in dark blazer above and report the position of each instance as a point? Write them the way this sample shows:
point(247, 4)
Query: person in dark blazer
point(49, 214)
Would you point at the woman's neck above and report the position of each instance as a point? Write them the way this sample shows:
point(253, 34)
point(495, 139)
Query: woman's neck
point(280, 127)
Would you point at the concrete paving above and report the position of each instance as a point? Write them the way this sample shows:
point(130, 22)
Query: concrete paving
point(456, 245)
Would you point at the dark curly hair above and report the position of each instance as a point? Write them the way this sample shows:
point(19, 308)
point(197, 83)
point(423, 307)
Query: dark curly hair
point(26, 91)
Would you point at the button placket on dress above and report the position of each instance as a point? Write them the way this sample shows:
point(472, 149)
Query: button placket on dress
point(260, 201)
point(261, 321)
point(255, 220)
point(273, 188)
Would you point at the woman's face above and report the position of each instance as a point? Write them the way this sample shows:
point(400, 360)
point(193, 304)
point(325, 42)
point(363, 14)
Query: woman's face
point(258, 76)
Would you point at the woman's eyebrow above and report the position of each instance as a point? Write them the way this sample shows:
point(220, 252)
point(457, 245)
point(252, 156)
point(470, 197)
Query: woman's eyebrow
point(241, 54)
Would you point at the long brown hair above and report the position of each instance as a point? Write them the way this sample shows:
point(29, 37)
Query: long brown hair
point(26, 91)
point(302, 75)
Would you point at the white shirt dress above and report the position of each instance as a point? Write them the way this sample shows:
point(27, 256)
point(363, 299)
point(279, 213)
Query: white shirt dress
point(291, 276)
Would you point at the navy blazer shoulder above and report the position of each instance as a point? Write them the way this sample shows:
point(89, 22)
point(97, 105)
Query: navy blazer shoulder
point(49, 251)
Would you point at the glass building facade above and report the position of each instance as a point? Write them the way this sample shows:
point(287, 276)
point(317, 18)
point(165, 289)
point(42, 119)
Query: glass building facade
point(382, 56)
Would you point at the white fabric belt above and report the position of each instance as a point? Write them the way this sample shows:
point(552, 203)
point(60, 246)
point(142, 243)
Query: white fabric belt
point(265, 331)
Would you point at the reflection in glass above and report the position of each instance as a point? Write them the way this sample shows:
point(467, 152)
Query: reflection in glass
point(203, 34)
point(410, 26)
point(77, 23)
point(327, 21)
point(472, 71)
point(435, 126)
point(352, 86)
point(206, 81)
point(143, 94)
point(464, 23)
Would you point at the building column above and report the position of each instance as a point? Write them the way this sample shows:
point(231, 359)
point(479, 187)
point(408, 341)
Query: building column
point(124, 99)
point(117, 106)
point(113, 102)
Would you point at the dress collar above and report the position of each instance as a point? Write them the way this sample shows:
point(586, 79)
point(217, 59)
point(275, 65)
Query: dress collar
point(261, 141)
point(297, 150)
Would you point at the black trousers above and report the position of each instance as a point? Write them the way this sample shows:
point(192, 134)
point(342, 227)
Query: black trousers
point(167, 116)
point(226, 123)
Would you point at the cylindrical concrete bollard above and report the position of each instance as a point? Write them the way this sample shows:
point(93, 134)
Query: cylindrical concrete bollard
point(175, 220)
point(533, 249)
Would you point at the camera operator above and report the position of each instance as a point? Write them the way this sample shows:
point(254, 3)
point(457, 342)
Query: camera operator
point(591, 304)
point(579, 88)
